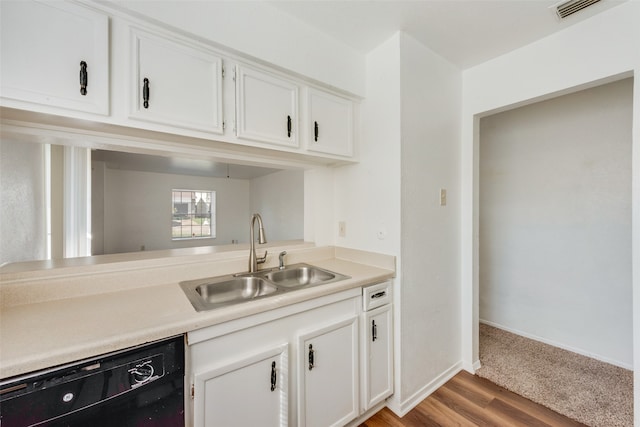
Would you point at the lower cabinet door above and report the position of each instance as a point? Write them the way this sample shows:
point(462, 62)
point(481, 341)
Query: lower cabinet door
point(377, 367)
point(251, 391)
point(328, 375)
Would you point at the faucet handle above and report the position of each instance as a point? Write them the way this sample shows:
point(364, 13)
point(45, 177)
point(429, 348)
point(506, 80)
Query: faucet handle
point(281, 258)
point(261, 260)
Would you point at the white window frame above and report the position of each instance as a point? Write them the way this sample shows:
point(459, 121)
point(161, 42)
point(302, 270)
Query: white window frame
point(192, 211)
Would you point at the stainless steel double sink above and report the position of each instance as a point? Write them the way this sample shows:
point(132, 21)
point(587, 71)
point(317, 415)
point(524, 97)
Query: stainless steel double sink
point(222, 291)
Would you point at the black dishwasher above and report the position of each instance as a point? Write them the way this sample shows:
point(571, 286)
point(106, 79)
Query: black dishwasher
point(137, 387)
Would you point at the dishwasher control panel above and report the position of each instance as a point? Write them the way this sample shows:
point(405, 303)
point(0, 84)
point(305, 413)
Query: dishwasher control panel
point(119, 388)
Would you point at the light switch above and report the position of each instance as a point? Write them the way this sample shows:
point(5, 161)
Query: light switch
point(443, 197)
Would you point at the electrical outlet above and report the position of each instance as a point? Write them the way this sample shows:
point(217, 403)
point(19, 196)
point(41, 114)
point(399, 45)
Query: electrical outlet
point(342, 229)
point(382, 233)
point(443, 197)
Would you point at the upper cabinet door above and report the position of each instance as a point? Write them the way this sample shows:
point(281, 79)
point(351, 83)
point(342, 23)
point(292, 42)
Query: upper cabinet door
point(55, 54)
point(175, 84)
point(266, 108)
point(330, 123)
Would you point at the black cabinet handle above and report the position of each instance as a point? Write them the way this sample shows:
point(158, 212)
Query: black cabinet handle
point(311, 357)
point(379, 295)
point(315, 130)
point(273, 376)
point(145, 92)
point(289, 126)
point(83, 78)
point(374, 331)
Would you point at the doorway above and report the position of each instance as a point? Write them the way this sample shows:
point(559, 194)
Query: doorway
point(555, 222)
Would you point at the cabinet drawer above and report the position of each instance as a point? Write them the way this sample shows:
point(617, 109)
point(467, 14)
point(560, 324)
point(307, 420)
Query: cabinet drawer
point(376, 295)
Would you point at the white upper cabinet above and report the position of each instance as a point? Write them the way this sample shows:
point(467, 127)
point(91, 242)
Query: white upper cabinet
point(87, 60)
point(266, 108)
point(175, 84)
point(331, 123)
point(54, 54)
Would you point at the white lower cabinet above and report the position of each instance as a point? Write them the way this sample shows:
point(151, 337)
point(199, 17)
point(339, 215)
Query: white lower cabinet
point(321, 362)
point(259, 382)
point(230, 366)
point(377, 360)
point(328, 374)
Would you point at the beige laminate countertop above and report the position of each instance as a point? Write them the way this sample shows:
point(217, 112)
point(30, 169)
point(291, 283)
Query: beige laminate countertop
point(54, 331)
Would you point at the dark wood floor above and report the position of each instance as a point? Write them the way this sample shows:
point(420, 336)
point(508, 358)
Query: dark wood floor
point(468, 401)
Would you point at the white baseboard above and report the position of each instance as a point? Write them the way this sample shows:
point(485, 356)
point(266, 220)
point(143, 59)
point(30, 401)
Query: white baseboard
point(402, 408)
point(559, 345)
point(471, 367)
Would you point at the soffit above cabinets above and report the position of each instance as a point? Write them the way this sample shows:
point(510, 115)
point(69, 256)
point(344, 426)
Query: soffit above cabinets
point(177, 165)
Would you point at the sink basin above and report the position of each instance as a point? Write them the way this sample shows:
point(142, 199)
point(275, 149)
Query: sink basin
point(216, 292)
point(234, 289)
point(299, 275)
point(206, 294)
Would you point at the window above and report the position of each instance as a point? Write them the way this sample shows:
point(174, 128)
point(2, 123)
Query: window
point(193, 214)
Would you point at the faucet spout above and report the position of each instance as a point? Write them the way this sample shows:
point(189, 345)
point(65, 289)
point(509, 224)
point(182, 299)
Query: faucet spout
point(253, 259)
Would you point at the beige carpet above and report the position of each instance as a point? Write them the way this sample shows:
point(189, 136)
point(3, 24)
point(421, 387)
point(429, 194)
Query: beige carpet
point(595, 393)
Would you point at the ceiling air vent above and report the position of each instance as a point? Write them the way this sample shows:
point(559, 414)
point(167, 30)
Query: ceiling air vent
point(570, 7)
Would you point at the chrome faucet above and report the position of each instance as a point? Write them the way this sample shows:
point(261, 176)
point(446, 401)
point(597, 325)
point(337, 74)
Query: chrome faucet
point(253, 259)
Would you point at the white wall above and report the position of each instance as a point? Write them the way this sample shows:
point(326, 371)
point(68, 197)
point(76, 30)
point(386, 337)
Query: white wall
point(264, 32)
point(586, 54)
point(279, 199)
point(367, 194)
point(137, 210)
point(430, 295)
point(555, 221)
point(319, 202)
point(98, 176)
point(389, 202)
point(22, 202)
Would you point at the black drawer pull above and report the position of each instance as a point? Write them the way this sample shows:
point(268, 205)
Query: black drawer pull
point(379, 294)
point(316, 130)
